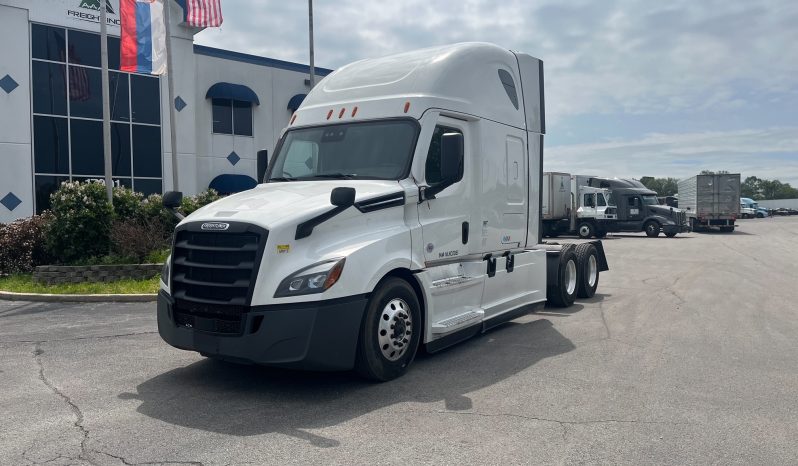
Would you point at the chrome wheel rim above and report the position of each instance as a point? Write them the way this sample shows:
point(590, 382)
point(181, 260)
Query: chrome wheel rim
point(592, 271)
point(395, 329)
point(584, 230)
point(570, 277)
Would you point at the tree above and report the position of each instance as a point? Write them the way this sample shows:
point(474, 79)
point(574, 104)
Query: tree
point(662, 186)
point(758, 189)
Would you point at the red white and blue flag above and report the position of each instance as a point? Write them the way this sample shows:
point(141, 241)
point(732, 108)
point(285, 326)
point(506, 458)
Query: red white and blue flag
point(143, 36)
point(203, 13)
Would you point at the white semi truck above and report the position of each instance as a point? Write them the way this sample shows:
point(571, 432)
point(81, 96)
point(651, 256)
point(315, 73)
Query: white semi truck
point(568, 207)
point(401, 209)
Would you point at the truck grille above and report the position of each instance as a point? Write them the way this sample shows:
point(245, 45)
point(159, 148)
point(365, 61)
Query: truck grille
point(213, 275)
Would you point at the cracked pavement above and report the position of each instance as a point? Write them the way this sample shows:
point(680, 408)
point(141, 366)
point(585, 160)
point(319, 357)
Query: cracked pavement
point(686, 355)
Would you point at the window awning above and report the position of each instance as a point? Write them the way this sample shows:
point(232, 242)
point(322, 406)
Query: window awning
point(230, 183)
point(296, 101)
point(233, 92)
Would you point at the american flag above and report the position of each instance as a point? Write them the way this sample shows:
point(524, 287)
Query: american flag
point(204, 13)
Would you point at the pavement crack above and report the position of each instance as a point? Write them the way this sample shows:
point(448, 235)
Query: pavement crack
point(165, 462)
point(97, 337)
point(78, 424)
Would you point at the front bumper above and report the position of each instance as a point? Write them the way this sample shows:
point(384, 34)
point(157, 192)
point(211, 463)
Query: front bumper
point(320, 335)
point(675, 228)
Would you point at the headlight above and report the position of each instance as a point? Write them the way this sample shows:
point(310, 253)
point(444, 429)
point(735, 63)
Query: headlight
point(314, 279)
point(165, 271)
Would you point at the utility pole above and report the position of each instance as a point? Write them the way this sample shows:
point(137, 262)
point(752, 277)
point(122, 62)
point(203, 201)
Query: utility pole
point(310, 27)
point(171, 75)
point(109, 184)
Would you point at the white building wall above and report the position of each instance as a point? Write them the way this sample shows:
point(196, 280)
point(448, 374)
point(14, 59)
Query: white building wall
point(16, 180)
point(779, 203)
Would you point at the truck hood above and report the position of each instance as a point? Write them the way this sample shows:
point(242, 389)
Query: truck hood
point(272, 204)
point(664, 210)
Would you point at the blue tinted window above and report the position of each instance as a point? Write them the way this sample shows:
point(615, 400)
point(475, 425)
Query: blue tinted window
point(50, 145)
point(146, 151)
point(147, 187)
point(49, 88)
point(85, 92)
point(146, 98)
point(84, 48)
point(87, 147)
point(242, 118)
point(118, 90)
point(120, 149)
point(46, 185)
point(222, 116)
point(48, 43)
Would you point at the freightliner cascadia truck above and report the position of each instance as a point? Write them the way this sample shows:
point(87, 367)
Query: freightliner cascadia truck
point(401, 209)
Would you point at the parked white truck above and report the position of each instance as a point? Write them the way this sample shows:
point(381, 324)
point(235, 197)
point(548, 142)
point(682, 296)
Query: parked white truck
point(571, 208)
point(401, 209)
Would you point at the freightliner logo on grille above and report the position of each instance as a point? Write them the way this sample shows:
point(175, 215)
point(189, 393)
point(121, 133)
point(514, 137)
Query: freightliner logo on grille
point(215, 226)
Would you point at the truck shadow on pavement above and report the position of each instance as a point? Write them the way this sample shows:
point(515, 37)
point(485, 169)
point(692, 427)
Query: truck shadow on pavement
point(250, 400)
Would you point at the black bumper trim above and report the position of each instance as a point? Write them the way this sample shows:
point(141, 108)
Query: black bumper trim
point(318, 335)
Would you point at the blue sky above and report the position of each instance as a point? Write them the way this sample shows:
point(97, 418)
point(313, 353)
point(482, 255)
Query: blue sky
point(632, 88)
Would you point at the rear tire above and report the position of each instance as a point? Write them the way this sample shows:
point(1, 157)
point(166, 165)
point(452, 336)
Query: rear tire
point(588, 270)
point(390, 331)
point(585, 230)
point(652, 229)
point(563, 294)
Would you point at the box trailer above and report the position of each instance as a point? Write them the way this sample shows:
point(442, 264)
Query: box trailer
point(711, 201)
point(569, 207)
point(400, 209)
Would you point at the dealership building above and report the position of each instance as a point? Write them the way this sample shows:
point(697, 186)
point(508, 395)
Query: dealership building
point(230, 107)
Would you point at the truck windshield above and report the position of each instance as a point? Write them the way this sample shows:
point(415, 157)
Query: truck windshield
point(650, 200)
point(379, 150)
point(610, 200)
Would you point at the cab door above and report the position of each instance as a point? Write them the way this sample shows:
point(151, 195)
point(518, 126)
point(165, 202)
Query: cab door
point(446, 219)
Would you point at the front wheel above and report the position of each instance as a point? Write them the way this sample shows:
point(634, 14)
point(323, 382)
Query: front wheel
point(585, 230)
point(652, 229)
point(390, 332)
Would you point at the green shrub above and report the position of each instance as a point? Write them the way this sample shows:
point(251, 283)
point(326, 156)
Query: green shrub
point(137, 239)
point(153, 211)
point(81, 221)
point(192, 203)
point(22, 244)
point(127, 203)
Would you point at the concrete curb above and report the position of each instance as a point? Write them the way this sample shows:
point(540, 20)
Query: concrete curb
point(78, 298)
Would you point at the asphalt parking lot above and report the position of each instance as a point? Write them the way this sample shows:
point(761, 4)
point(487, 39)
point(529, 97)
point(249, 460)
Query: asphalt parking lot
point(688, 354)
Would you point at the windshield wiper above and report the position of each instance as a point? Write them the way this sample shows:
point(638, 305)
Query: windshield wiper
point(336, 176)
point(282, 178)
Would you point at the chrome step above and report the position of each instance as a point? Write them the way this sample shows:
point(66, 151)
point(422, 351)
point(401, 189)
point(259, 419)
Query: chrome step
point(456, 322)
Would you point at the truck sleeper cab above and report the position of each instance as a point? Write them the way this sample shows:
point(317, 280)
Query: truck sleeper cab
point(400, 209)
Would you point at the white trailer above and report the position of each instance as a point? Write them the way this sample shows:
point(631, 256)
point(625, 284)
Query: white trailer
point(571, 207)
point(401, 209)
point(711, 201)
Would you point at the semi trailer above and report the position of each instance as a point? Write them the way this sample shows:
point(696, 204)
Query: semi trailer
point(401, 209)
point(571, 208)
point(711, 201)
point(639, 208)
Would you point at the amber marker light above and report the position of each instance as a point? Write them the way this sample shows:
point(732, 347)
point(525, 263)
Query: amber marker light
point(341, 113)
point(329, 114)
point(293, 119)
point(354, 111)
point(407, 106)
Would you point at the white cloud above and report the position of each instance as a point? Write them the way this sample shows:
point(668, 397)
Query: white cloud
point(768, 153)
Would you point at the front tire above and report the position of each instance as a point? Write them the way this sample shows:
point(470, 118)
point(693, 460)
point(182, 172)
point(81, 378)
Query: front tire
point(585, 230)
point(652, 229)
point(390, 332)
point(588, 270)
point(563, 294)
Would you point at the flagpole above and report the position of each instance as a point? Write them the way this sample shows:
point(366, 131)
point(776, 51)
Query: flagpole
point(170, 76)
point(109, 185)
point(310, 27)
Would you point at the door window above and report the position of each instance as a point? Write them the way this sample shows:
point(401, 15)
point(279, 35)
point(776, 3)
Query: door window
point(589, 201)
point(432, 171)
point(601, 201)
